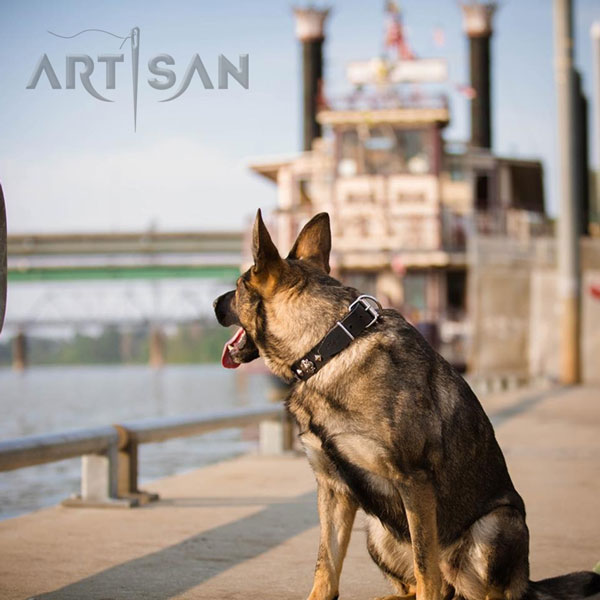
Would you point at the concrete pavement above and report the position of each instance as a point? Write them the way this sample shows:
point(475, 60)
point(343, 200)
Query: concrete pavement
point(248, 528)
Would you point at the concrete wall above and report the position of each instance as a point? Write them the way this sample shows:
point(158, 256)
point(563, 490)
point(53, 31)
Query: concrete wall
point(544, 331)
point(514, 308)
point(499, 298)
point(544, 324)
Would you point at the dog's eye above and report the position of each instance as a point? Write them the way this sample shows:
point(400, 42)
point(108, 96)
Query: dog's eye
point(243, 287)
point(244, 278)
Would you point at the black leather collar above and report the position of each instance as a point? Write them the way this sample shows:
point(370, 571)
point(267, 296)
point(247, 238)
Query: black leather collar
point(363, 312)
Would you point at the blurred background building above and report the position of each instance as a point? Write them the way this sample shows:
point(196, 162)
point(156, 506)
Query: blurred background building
point(452, 235)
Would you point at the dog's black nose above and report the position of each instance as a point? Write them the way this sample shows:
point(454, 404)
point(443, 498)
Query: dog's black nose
point(223, 309)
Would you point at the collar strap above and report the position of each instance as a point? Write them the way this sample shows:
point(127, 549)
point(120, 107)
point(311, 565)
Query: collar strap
point(362, 314)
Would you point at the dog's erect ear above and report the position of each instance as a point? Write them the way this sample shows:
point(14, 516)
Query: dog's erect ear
point(314, 242)
point(266, 257)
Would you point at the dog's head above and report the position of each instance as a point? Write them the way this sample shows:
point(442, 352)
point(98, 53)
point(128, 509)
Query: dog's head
point(282, 306)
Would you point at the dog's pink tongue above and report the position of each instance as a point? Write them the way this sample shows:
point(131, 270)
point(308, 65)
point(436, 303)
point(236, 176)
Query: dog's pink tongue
point(226, 358)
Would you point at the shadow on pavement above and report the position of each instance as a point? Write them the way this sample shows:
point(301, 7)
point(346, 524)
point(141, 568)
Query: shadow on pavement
point(524, 404)
point(173, 570)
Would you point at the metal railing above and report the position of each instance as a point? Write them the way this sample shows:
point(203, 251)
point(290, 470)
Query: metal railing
point(109, 474)
point(40, 449)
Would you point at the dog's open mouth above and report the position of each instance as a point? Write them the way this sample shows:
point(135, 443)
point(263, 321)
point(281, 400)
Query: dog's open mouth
point(232, 348)
point(239, 349)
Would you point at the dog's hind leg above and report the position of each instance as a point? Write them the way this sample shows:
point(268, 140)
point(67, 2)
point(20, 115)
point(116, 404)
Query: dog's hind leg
point(336, 515)
point(490, 562)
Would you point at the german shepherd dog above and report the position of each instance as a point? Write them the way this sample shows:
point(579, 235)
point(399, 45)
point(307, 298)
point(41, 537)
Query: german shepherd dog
point(390, 427)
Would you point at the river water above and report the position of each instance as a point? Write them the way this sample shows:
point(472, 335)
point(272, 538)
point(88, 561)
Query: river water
point(58, 398)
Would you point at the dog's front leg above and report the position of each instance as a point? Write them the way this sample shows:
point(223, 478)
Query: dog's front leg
point(419, 500)
point(336, 516)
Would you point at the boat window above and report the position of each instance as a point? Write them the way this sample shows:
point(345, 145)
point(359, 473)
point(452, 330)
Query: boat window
point(384, 150)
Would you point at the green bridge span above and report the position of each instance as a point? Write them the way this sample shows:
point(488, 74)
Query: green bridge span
point(145, 255)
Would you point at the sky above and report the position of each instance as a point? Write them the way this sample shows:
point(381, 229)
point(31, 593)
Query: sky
point(69, 162)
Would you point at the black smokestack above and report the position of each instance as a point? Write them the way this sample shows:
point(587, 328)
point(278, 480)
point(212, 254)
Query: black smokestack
point(310, 31)
point(477, 21)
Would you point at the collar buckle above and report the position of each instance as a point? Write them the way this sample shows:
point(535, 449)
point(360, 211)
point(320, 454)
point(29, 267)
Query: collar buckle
point(370, 308)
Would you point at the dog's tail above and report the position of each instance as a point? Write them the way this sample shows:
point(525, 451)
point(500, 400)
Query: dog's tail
point(574, 586)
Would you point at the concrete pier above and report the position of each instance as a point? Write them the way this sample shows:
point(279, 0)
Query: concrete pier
point(157, 348)
point(19, 351)
point(247, 528)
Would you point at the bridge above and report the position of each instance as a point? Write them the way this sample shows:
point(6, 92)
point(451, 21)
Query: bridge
point(146, 255)
point(144, 279)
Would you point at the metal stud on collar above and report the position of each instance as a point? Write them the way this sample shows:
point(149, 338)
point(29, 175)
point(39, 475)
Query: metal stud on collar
point(307, 367)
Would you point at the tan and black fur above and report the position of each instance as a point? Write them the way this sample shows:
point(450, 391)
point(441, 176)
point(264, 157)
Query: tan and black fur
point(390, 427)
